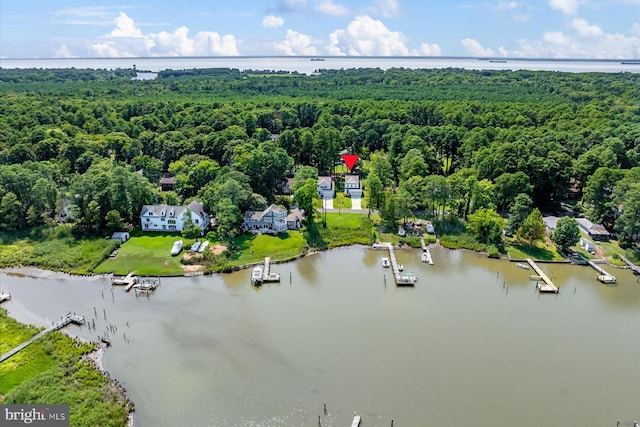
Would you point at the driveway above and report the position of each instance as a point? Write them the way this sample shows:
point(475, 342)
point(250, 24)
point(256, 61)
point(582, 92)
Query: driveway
point(328, 203)
point(356, 203)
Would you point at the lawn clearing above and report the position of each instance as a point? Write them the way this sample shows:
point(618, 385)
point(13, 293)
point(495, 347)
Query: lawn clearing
point(147, 255)
point(253, 248)
point(539, 251)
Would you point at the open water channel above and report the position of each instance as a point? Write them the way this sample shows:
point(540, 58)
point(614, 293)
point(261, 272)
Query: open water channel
point(472, 344)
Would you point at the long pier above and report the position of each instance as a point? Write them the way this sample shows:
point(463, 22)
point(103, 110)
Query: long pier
point(400, 279)
point(547, 285)
point(69, 318)
point(603, 275)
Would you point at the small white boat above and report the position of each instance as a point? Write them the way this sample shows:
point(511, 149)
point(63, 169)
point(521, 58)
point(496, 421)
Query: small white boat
point(203, 246)
point(177, 247)
point(356, 421)
point(385, 262)
point(256, 275)
point(424, 257)
point(400, 267)
point(430, 228)
point(195, 247)
point(523, 266)
point(401, 232)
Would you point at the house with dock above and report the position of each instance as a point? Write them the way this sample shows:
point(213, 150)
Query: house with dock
point(172, 218)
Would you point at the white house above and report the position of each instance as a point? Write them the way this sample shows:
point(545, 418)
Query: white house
point(172, 218)
point(352, 186)
point(325, 187)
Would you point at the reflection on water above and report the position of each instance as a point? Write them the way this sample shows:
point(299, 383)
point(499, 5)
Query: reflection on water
point(473, 342)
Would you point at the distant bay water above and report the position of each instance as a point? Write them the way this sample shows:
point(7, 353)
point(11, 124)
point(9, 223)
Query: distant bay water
point(308, 65)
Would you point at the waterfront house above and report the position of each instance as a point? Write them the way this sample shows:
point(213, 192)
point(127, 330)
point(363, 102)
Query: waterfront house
point(595, 231)
point(172, 218)
point(273, 219)
point(352, 186)
point(325, 187)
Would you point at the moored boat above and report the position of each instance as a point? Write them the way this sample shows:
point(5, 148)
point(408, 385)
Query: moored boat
point(385, 262)
point(177, 247)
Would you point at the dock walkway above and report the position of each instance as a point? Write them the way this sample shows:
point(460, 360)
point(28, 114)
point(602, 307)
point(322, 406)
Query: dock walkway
point(267, 276)
point(632, 266)
point(547, 285)
point(603, 275)
point(400, 279)
point(69, 318)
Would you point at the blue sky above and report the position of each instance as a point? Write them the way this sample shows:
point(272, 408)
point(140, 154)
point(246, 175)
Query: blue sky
point(143, 28)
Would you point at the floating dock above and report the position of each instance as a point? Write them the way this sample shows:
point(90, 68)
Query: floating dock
point(407, 280)
point(4, 297)
point(547, 285)
point(267, 276)
point(69, 318)
point(146, 285)
point(603, 275)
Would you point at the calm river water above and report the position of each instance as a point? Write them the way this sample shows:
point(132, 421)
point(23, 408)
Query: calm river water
point(471, 344)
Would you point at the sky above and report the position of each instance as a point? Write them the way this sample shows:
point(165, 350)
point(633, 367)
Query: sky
point(593, 29)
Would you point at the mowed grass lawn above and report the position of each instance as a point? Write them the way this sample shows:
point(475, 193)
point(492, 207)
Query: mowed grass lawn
point(343, 229)
point(252, 248)
point(147, 255)
point(539, 251)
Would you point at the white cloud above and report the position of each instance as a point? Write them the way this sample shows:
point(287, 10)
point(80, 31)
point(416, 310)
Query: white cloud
point(272, 21)
point(386, 8)
point(125, 27)
point(584, 29)
point(328, 7)
point(126, 40)
point(63, 52)
point(568, 7)
point(585, 40)
point(365, 36)
point(474, 48)
point(295, 43)
point(635, 29)
point(427, 49)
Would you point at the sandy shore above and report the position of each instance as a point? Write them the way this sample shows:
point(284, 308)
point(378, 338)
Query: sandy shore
point(39, 273)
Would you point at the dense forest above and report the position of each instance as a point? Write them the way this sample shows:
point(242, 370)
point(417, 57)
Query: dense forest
point(89, 147)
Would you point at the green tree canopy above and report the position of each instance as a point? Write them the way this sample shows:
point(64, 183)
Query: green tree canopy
point(566, 233)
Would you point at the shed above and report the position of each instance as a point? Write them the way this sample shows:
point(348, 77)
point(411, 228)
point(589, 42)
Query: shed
point(123, 236)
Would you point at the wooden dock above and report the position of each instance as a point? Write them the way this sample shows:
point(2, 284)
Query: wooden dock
point(406, 280)
point(547, 285)
point(632, 266)
point(129, 280)
point(603, 275)
point(267, 276)
point(69, 318)
point(4, 297)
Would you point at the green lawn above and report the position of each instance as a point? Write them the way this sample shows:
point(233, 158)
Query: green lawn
point(147, 255)
point(342, 229)
point(252, 248)
point(539, 251)
point(341, 202)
